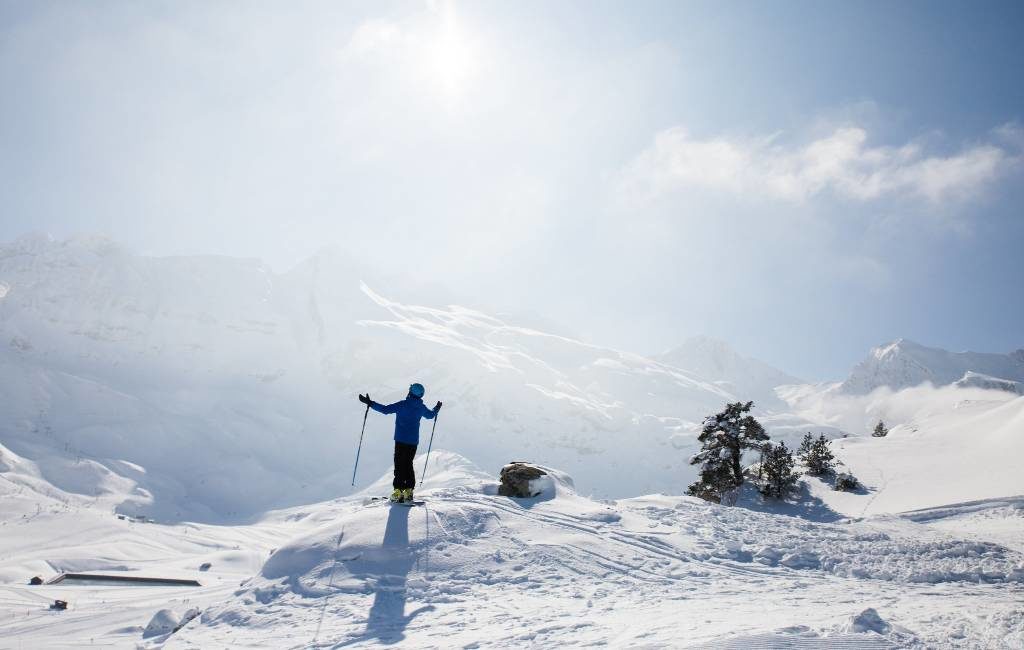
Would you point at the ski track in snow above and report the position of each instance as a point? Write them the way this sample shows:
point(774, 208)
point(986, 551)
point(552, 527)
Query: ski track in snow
point(470, 569)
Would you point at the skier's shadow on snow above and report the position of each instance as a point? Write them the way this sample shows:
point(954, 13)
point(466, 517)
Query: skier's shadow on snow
point(387, 619)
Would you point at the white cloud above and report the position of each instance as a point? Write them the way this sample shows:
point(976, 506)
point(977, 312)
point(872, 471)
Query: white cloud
point(840, 163)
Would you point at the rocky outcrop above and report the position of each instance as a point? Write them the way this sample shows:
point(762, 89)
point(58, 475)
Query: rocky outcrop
point(522, 480)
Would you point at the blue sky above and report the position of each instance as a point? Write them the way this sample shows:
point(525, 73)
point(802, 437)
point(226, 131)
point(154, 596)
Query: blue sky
point(802, 179)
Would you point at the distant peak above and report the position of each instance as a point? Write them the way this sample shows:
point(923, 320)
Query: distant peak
point(898, 345)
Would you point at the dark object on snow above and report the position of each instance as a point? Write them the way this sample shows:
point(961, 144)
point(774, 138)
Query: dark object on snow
point(59, 604)
point(100, 578)
point(515, 480)
point(36, 581)
point(880, 430)
point(723, 439)
point(846, 482)
point(205, 566)
point(779, 477)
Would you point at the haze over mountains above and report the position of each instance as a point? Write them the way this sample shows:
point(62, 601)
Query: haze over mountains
point(215, 388)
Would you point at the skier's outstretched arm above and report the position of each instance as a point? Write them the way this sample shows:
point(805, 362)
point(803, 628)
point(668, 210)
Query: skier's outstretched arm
point(430, 414)
point(386, 409)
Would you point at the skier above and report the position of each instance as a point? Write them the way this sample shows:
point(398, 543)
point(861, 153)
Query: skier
point(407, 436)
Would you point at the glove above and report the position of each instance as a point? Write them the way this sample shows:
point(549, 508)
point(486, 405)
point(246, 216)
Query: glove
point(365, 399)
point(437, 407)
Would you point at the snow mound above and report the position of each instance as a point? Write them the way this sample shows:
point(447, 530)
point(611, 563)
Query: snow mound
point(446, 469)
point(163, 622)
point(869, 621)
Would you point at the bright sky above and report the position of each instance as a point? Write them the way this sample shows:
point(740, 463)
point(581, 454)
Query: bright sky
point(802, 179)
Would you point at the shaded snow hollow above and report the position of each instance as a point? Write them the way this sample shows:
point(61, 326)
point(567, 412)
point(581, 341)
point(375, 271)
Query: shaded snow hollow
point(471, 567)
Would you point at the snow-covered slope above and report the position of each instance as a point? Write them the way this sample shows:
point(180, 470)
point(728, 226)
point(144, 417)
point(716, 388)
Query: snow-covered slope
point(968, 450)
point(717, 361)
point(903, 364)
point(474, 569)
point(217, 388)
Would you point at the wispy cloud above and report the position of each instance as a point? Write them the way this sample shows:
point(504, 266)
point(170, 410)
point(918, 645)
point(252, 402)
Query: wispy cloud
point(841, 164)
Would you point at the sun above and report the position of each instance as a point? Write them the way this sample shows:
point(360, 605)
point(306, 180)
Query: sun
point(452, 58)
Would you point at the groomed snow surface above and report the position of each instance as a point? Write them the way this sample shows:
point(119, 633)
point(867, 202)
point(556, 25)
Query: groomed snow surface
point(473, 569)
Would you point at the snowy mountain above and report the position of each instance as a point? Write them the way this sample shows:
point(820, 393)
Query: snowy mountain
point(717, 361)
point(902, 364)
point(217, 387)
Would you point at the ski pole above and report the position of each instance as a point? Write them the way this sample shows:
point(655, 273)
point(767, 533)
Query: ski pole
point(360, 448)
point(423, 477)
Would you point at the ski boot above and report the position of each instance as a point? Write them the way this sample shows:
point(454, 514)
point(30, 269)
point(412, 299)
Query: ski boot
point(407, 495)
point(396, 496)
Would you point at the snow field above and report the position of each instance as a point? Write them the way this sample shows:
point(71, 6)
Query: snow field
point(471, 568)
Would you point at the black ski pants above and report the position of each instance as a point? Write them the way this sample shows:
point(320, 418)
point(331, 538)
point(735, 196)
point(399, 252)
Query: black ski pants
point(405, 476)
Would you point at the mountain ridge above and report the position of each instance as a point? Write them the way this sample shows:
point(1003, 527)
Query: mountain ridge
point(903, 363)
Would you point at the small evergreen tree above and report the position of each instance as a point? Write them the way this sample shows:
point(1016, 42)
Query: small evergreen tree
point(819, 457)
point(880, 430)
point(723, 439)
point(846, 482)
point(805, 447)
point(779, 477)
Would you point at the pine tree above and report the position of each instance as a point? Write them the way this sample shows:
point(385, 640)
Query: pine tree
point(880, 430)
point(846, 482)
point(805, 447)
point(819, 457)
point(723, 439)
point(778, 471)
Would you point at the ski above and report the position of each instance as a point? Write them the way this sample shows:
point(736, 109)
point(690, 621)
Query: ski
point(370, 500)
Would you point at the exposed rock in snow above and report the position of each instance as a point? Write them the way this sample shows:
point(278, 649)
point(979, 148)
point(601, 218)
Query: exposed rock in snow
point(522, 480)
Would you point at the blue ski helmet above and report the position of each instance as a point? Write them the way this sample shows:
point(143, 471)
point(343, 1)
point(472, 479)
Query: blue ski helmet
point(417, 390)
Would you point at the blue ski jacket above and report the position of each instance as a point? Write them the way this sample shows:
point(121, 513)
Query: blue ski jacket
point(407, 420)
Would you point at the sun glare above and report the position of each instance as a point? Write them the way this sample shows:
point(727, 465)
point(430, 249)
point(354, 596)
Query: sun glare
point(452, 58)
